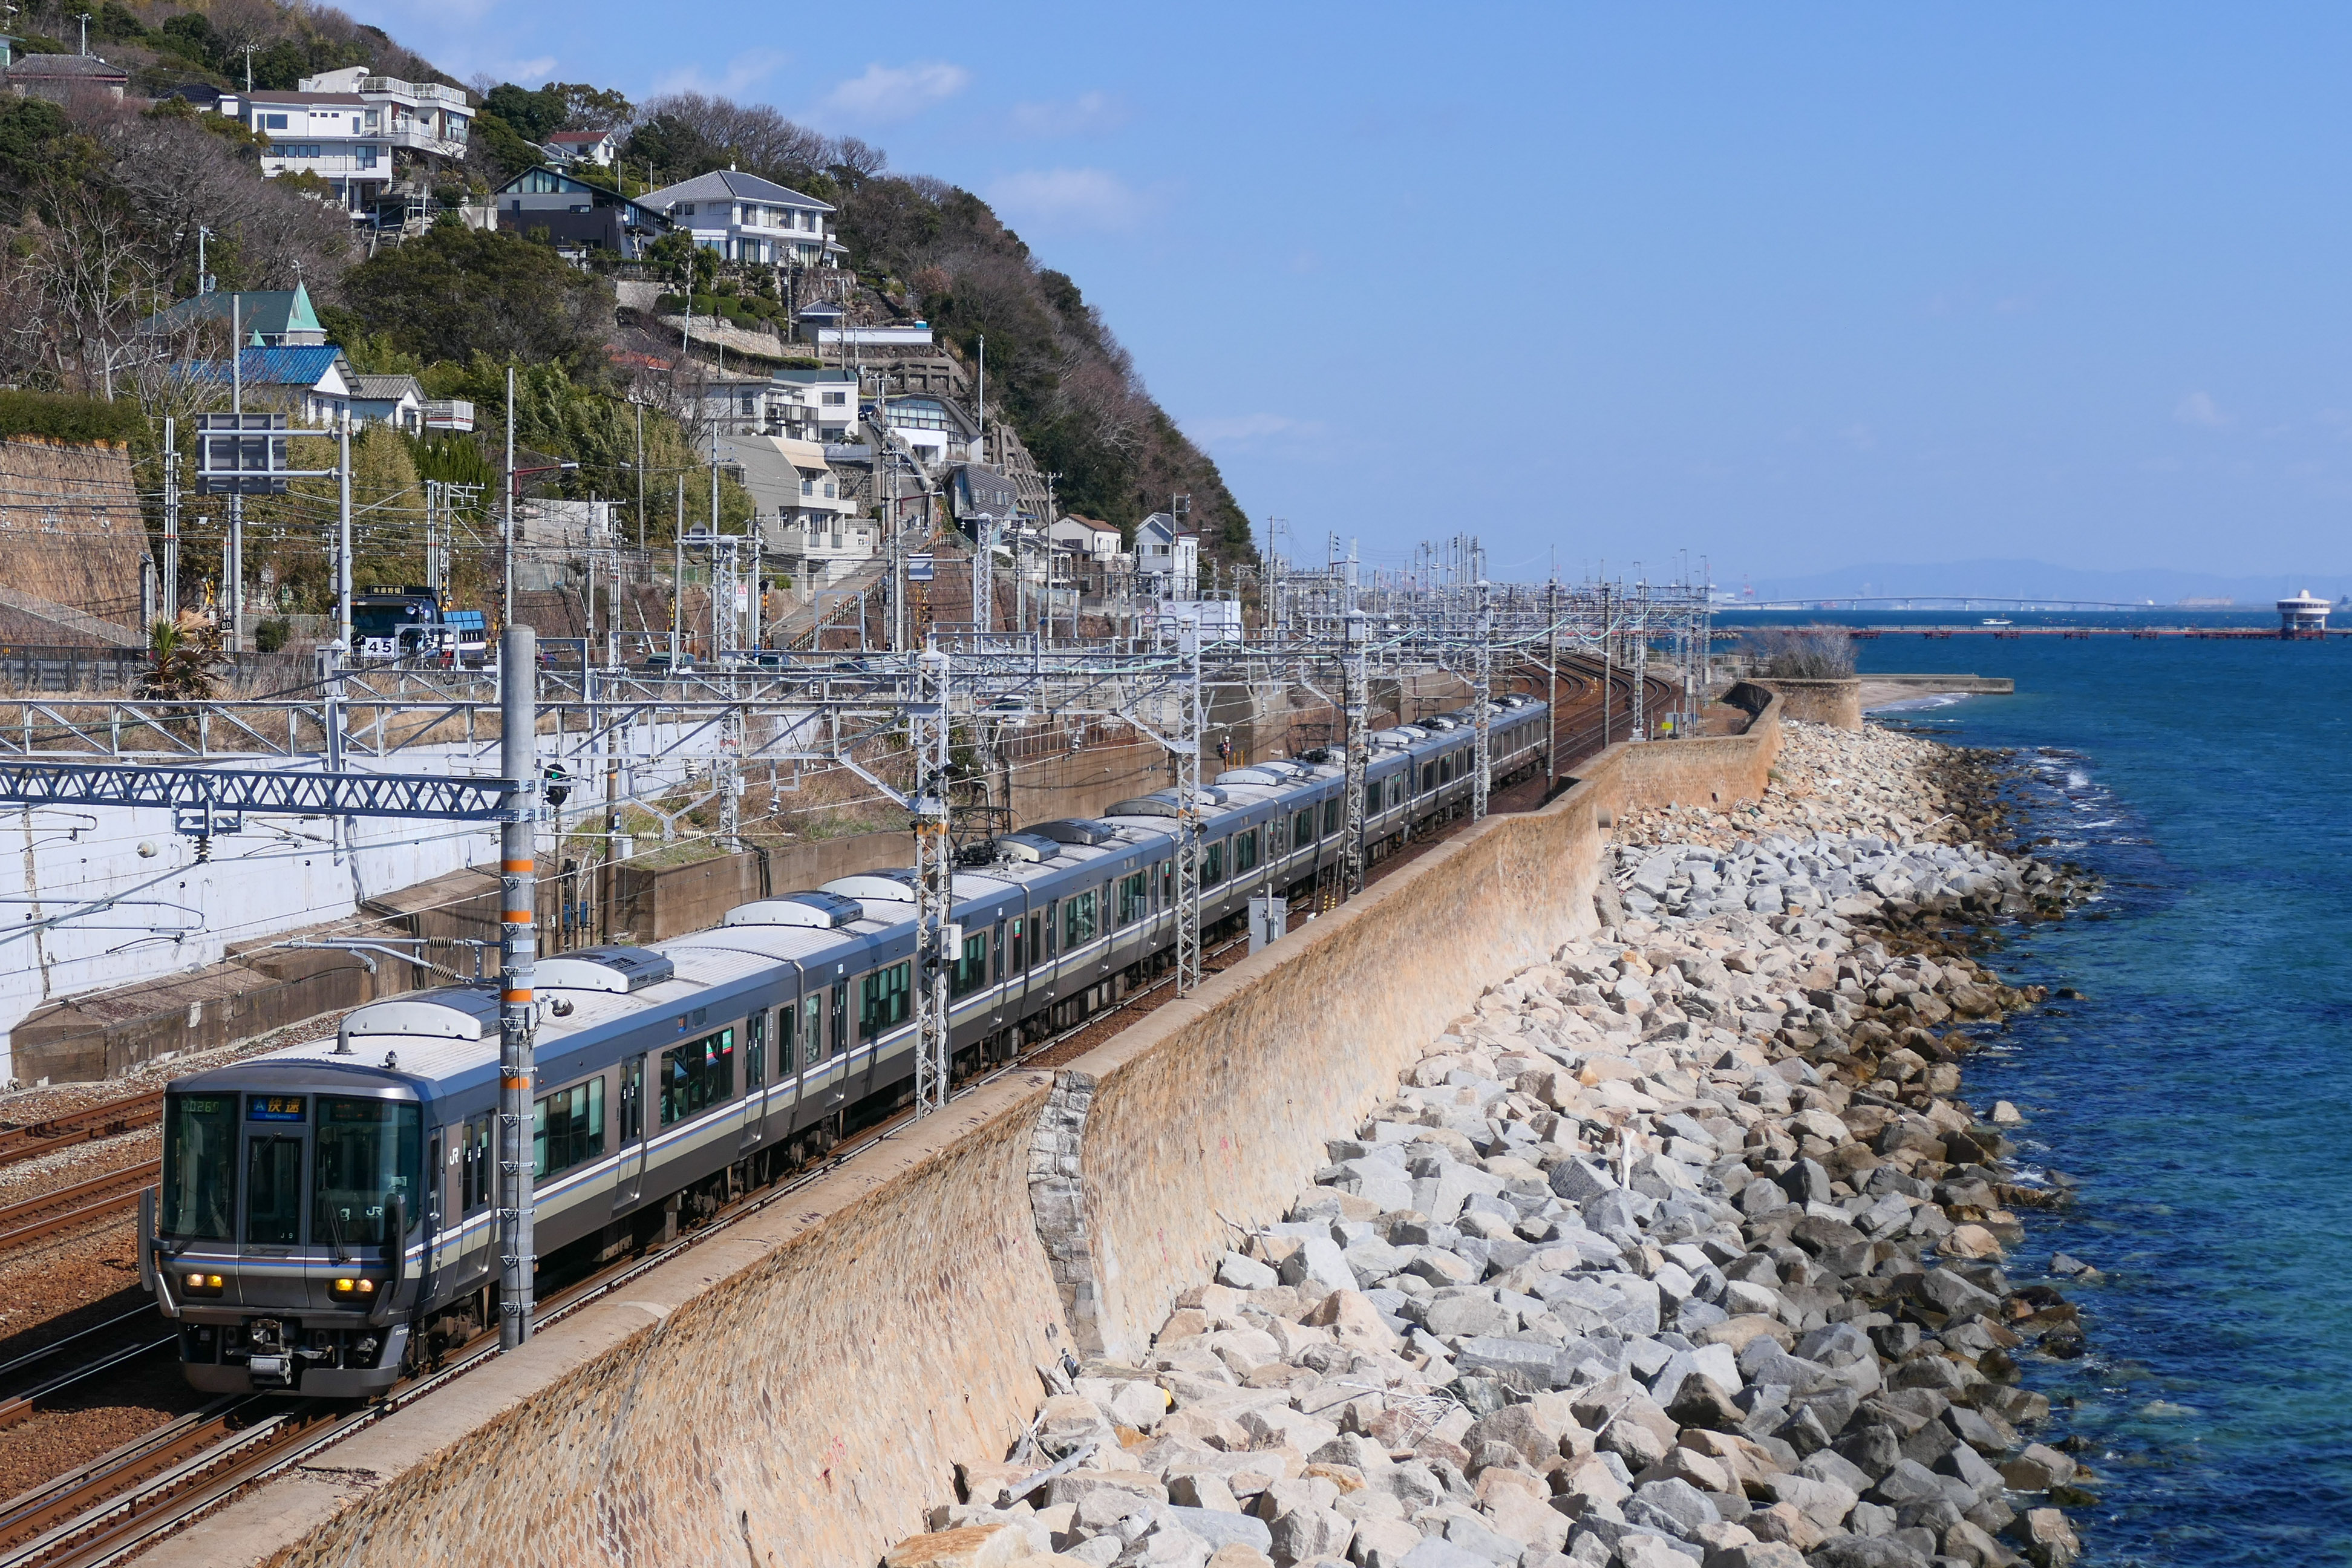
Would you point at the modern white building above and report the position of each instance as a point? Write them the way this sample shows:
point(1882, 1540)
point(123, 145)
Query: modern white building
point(337, 136)
point(394, 400)
point(746, 218)
point(412, 116)
point(815, 405)
point(2303, 616)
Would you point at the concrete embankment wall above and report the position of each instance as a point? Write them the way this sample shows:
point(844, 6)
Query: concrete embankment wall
point(798, 1391)
point(1837, 703)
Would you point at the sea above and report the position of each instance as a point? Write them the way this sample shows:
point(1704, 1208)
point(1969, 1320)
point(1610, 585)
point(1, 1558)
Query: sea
point(2196, 1090)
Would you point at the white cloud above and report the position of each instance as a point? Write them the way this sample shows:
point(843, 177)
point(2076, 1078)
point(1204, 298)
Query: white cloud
point(742, 73)
point(526, 73)
point(1240, 426)
point(887, 94)
point(2199, 409)
point(1067, 198)
point(1088, 114)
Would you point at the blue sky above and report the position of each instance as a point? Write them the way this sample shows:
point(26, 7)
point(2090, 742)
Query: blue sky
point(1790, 287)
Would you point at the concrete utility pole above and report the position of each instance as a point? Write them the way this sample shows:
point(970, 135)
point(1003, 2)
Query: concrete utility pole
point(518, 893)
point(170, 596)
point(507, 530)
point(1189, 740)
point(343, 539)
point(1552, 686)
point(1482, 765)
point(232, 565)
point(1357, 696)
point(937, 937)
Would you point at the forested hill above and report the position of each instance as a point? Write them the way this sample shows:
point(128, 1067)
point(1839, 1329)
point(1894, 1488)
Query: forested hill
point(140, 182)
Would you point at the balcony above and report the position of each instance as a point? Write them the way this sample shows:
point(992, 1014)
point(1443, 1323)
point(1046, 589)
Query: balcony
point(422, 91)
point(415, 138)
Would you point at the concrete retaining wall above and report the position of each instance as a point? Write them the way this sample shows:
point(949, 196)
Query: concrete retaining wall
point(817, 1370)
point(1837, 703)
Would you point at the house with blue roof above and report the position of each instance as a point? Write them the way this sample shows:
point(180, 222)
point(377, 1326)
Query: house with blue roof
point(312, 385)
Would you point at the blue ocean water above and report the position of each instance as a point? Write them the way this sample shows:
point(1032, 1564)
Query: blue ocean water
point(2197, 1092)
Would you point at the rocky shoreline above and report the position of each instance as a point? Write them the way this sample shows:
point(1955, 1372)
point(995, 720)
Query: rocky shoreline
point(1679, 1249)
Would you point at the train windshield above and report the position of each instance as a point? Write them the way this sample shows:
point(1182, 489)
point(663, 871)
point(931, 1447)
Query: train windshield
point(199, 1166)
point(367, 1155)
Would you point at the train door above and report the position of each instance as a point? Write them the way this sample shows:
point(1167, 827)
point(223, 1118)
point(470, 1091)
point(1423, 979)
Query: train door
point(758, 1073)
point(790, 1072)
point(470, 1205)
point(629, 1177)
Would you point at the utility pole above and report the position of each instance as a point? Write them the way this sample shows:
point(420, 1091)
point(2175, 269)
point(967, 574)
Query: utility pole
point(233, 553)
point(171, 597)
point(1357, 696)
point(1482, 766)
point(250, 50)
point(518, 893)
point(344, 540)
point(507, 531)
point(641, 478)
point(937, 937)
point(677, 578)
point(1189, 740)
point(1551, 686)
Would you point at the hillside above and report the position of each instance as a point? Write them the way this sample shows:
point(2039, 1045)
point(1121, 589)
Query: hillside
point(102, 205)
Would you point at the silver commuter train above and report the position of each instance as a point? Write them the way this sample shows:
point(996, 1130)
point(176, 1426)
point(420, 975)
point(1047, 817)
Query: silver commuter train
point(326, 1215)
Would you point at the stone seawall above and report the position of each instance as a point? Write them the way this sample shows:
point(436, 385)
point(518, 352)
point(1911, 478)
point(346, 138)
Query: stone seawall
point(1837, 703)
point(799, 1390)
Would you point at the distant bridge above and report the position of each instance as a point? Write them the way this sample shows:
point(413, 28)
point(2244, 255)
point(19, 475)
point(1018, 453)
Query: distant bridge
point(1969, 601)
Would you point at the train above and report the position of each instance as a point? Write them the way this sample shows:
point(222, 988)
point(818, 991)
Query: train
point(327, 1215)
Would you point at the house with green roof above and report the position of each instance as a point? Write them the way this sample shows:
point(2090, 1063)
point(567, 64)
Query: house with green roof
point(269, 318)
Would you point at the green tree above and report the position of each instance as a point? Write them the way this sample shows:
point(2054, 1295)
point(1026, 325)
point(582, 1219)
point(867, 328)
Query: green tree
point(502, 145)
point(455, 293)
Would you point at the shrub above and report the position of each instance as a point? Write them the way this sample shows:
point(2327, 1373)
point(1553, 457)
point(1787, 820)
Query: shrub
point(1803, 653)
point(60, 418)
point(270, 635)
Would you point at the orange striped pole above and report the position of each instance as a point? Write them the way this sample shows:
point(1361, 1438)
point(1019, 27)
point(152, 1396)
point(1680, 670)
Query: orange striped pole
point(518, 954)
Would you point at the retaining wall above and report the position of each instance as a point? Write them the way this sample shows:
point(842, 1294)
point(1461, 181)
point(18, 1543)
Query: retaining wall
point(1837, 703)
point(814, 1374)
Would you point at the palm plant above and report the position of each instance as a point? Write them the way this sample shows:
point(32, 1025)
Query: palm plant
point(184, 659)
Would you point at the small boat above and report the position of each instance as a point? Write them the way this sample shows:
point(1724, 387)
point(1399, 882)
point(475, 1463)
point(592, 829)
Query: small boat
point(1997, 621)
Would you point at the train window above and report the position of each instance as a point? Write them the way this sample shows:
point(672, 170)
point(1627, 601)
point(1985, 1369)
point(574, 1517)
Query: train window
point(633, 1098)
point(1245, 852)
point(1016, 957)
point(755, 1050)
point(1048, 945)
point(1302, 827)
point(1134, 898)
point(199, 1166)
point(968, 972)
point(1166, 883)
point(1213, 864)
point(697, 1076)
point(436, 1152)
point(1274, 831)
point(367, 1155)
point(840, 1025)
point(273, 1191)
point(1078, 920)
point(1428, 777)
point(1396, 791)
point(1330, 817)
point(567, 1129)
point(788, 1018)
point(812, 1028)
point(883, 1001)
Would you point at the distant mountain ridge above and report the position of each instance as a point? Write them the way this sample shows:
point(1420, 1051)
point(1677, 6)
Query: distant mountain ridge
point(2041, 580)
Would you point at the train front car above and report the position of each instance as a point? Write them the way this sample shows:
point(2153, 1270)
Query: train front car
point(288, 1226)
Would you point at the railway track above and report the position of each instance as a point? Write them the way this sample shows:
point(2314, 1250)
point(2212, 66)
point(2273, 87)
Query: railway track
point(70, 1207)
point(108, 1120)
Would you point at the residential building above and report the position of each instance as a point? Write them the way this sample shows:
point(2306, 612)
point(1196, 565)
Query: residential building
point(394, 400)
point(815, 405)
point(1167, 561)
point(61, 77)
point(735, 405)
point(269, 318)
point(936, 430)
point(806, 514)
point(976, 491)
point(1090, 540)
point(577, 212)
point(597, 147)
point(746, 218)
point(888, 335)
point(312, 385)
point(412, 116)
point(340, 137)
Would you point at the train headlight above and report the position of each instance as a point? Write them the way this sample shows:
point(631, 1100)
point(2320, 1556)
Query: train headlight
point(200, 1284)
point(354, 1288)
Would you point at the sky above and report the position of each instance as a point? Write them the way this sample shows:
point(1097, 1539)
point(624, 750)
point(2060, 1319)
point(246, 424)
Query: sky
point(1777, 288)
